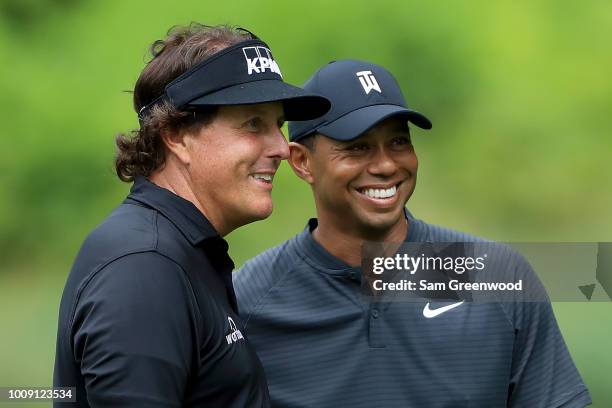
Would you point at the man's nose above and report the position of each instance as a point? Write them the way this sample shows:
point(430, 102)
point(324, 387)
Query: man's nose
point(382, 163)
point(277, 146)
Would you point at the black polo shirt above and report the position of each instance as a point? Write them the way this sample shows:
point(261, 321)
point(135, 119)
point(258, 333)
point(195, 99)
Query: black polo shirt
point(148, 315)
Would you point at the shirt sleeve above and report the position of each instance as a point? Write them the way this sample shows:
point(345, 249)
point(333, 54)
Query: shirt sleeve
point(543, 373)
point(133, 333)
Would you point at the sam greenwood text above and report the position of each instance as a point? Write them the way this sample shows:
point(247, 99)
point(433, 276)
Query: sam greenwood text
point(453, 284)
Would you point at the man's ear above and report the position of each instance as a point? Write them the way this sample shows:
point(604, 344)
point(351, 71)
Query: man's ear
point(177, 145)
point(300, 160)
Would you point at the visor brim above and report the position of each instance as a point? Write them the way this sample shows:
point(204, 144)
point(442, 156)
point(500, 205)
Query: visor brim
point(297, 103)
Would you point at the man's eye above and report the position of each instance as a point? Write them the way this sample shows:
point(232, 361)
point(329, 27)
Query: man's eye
point(401, 141)
point(252, 125)
point(357, 147)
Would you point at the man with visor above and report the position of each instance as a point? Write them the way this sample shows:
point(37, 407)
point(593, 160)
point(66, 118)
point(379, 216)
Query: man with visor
point(148, 315)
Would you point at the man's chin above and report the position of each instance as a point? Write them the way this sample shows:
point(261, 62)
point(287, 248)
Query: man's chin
point(261, 209)
point(376, 224)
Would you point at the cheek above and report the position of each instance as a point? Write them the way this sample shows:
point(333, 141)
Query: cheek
point(224, 160)
point(211, 163)
point(326, 175)
point(337, 180)
point(414, 161)
point(244, 150)
point(409, 163)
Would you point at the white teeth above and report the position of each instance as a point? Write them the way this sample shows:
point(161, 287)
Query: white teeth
point(380, 193)
point(264, 177)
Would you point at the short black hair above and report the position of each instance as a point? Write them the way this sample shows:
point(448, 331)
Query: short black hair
point(308, 141)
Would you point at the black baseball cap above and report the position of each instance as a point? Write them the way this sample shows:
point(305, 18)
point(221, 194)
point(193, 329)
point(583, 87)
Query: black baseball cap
point(244, 73)
point(362, 94)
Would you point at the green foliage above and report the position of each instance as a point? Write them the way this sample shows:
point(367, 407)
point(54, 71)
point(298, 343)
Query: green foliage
point(519, 93)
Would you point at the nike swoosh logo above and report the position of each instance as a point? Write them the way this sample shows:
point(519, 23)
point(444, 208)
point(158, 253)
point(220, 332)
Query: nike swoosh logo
point(428, 313)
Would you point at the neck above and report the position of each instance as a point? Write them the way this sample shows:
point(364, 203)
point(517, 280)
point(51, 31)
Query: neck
point(173, 179)
point(346, 244)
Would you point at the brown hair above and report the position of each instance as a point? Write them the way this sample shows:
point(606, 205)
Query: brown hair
point(142, 151)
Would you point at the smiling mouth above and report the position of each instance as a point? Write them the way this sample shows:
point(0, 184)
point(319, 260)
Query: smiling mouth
point(263, 177)
point(379, 193)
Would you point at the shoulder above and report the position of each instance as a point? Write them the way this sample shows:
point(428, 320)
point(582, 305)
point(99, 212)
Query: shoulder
point(137, 307)
point(143, 277)
point(436, 233)
point(425, 232)
point(129, 228)
point(273, 259)
point(503, 263)
point(261, 273)
point(137, 286)
point(149, 270)
point(120, 275)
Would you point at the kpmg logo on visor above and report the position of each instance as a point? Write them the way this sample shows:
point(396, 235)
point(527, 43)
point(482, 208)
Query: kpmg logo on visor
point(259, 59)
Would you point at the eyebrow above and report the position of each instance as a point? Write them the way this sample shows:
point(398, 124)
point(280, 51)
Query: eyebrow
point(256, 110)
point(341, 145)
point(253, 110)
point(338, 145)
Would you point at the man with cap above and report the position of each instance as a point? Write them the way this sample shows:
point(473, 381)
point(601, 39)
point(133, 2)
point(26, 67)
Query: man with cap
point(148, 316)
point(324, 344)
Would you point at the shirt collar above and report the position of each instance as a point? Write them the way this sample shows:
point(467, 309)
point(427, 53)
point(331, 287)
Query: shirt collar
point(182, 213)
point(324, 261)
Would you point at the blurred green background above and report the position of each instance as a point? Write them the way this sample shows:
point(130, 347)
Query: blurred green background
point(519, 93)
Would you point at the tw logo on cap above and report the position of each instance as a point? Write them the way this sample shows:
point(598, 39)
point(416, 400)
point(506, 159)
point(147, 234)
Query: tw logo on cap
point(259, 59)
point(368, 81)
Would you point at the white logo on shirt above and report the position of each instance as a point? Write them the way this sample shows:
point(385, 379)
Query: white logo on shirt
point(429, 313)
point(259, 59)
point(368, 81)
point(235, 334)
